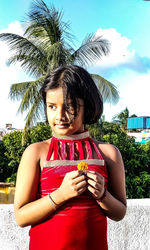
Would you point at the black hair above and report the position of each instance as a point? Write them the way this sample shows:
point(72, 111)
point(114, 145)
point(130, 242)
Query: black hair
point(76, 83)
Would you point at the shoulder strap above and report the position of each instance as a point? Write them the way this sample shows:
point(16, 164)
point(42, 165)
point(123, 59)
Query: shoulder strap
point(80, 150)
point(71, 147)
point(96, 149)
point(89, 149)
point(50, 149)
point(56, 150)
point(63, 150)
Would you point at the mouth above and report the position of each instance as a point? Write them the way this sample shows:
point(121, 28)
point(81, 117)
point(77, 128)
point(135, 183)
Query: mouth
point(62, 125)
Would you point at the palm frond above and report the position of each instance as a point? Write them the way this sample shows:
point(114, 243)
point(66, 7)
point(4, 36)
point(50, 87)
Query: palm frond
point(24, 50)
point(47, 22)
point(30, 95)
point(92, 49)
point(58, 55)
point(107, 89)
point(17, 90)
point(33, 116)
point(20, 44)
point(30, 65)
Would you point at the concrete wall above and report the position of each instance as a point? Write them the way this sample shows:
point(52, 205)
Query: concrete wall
point(132, 233)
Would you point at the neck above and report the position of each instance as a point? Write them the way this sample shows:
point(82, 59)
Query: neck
point(76, 136)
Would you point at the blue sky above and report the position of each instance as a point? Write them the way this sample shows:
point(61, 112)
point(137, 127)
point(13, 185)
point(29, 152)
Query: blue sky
point(124, 22)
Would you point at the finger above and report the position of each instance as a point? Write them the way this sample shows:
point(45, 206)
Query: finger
point(95, 176)
point(77, 173)
point(74, 174)
point(81, 190)
point(94, 191)
point(80, 178)
point(90, 171)
point(93, 173)
point(79, 187)
point(81, 184)
point(94, 184)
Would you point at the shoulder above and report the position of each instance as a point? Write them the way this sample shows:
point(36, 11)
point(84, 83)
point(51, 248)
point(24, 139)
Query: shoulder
point(107, 149)
point(36, 150)
point(34, 156)
point(110, 153)
point(37, 145)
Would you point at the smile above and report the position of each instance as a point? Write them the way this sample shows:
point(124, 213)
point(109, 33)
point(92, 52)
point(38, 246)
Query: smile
point(64, 125)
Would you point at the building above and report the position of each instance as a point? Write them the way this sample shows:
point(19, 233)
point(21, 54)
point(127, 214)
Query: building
point(139, 127)
point(8, 129)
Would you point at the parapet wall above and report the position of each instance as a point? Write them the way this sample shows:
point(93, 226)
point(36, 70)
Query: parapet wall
point(132, 233)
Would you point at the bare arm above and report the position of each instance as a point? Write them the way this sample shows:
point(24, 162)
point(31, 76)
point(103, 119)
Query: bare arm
point(29, 210)
point(114, 203)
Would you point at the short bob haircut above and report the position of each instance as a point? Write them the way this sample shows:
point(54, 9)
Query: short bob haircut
point(76, 83)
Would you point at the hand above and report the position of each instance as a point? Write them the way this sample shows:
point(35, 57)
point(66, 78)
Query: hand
point(95, 184)
point(72, 185)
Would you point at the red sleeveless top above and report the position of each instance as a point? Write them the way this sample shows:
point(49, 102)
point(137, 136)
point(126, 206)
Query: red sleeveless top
point(79, 224)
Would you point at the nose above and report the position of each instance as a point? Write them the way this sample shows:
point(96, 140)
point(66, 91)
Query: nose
point(60, 116)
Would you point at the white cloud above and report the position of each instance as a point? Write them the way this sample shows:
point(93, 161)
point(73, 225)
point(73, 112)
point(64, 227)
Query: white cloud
point(121, 55)
point(137, 95)
point(15, 28)
point(128, 71)
point(119, 48)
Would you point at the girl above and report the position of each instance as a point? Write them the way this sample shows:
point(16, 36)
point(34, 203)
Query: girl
point(66, 206)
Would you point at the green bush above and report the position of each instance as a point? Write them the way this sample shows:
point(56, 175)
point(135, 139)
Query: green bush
point(39, 133)
point(13, 152)
point(4, 173)
point(11, 149)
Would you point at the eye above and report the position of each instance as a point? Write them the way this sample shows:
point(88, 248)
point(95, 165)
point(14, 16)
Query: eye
point(51, 106)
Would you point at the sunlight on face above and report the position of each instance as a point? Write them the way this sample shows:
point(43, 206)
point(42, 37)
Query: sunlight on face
point(59, 116)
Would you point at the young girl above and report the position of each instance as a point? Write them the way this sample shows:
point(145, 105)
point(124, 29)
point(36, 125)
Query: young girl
point(65, 204)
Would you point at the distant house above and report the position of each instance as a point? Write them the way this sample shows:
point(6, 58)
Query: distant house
point(8, 129)
point(139, 127)
point(2, 132)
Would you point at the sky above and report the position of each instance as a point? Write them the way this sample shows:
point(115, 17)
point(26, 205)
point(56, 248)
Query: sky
point(124, 23)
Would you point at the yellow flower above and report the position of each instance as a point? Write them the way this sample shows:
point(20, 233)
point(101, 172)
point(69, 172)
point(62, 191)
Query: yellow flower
point(82, 166)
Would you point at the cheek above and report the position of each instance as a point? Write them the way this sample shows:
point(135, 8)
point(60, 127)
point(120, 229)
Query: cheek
point(50, 117)
point(82, 115)
point(80, 118)
point(47, 113)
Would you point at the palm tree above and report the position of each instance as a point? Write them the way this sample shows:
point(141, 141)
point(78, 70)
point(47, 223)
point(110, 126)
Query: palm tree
point(44, 46)
point(122, 117)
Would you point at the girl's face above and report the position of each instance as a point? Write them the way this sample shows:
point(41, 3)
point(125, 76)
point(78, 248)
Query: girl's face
point(59, 117)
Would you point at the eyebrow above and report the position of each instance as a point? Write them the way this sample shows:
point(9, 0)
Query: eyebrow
point(51, 103)
point(56, 104)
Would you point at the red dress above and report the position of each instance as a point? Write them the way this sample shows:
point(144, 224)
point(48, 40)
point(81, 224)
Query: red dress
point(79, 224)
